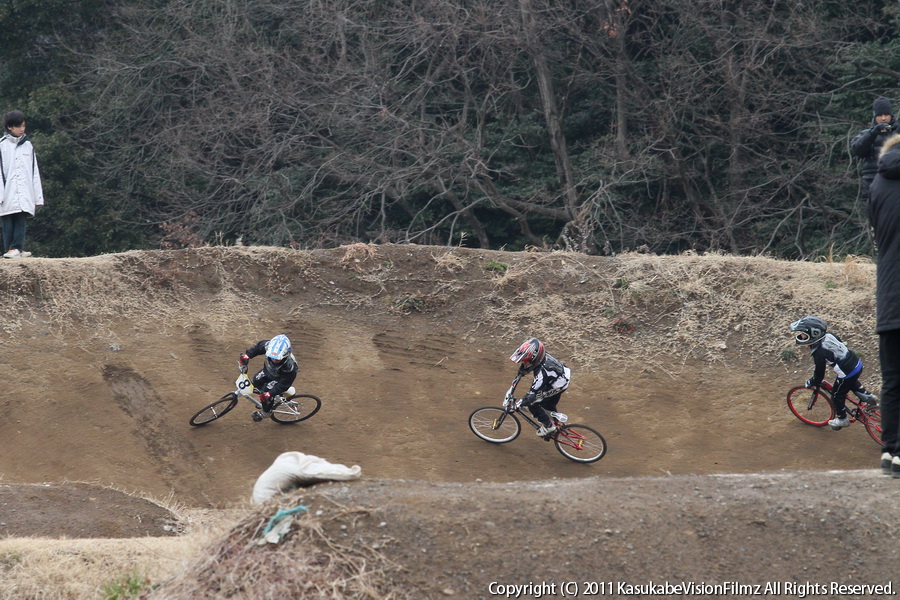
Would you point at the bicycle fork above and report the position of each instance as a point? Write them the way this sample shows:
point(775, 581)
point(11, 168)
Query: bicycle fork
point(574, 440)
point(498, 421)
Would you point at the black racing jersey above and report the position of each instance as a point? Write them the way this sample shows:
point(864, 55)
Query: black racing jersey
point(284, 374)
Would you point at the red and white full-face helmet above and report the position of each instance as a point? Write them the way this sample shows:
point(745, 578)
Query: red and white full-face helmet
point(530, 354)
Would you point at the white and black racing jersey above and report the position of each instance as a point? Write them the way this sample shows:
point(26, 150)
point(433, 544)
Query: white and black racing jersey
point(832, 351)
point(551, 378)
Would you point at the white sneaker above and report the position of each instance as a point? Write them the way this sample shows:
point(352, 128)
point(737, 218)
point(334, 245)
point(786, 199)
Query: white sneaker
point(870, 399)
point(895, 467)
point(886, 463)
point(561, 417)
point(545, 431)
point(838, 422)
point(24, 254)
point(12, 253)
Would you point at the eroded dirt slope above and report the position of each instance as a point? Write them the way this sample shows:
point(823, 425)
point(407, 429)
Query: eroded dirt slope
point(681, 362)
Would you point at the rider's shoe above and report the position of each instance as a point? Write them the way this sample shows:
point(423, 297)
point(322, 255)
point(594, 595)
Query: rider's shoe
point(886, 459)
point(545, 431)
point(259, 415)
point(870, 399)
point(838, 422)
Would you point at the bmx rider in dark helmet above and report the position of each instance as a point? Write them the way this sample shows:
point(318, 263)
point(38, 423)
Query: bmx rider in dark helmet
point(551, 378)
point(278, 372)
point(827, 348)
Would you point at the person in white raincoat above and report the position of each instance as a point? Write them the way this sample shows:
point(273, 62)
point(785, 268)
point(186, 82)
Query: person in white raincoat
point(22, 192)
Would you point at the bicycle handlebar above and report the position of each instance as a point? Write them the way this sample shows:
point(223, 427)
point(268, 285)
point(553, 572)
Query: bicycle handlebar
point(511, 390)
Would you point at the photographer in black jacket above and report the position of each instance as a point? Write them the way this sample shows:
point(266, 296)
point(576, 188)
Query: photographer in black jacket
point(868, 142)
point(884, 217)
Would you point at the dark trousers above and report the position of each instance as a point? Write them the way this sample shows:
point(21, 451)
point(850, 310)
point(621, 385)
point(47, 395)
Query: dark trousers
point(264, 383)
point(839, 392)
point(13, 231)
point(541, 410)
point(889, 354)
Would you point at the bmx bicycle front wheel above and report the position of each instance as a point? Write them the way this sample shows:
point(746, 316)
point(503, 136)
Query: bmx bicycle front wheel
point(215, 410)
point(494, 425)
point(812, 406)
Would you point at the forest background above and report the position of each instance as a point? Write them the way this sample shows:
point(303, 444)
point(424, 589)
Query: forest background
point(599, 126)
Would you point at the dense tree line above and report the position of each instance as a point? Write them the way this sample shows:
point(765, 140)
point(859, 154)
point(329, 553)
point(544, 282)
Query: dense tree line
point(598, 126)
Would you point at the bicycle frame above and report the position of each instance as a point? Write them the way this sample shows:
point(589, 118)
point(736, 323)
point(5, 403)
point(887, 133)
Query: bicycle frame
point(857, 410)
point(513, 405)
point(244, 388)
point(857, 413)
point(562, 435)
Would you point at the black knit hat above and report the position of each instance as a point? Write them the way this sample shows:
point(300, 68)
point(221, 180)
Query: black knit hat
point(881, 106)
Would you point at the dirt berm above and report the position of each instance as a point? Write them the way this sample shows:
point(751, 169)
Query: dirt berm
point(682, 363)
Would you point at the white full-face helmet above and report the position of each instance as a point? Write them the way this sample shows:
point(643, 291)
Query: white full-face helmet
point(277, 350)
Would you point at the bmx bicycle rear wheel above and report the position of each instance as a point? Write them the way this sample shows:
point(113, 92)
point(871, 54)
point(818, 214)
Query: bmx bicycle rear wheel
point(580, 443)
point(873, 423)
point(296, 408)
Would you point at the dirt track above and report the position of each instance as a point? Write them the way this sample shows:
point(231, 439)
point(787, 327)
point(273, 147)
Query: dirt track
point(397, 383)
point(402, 343)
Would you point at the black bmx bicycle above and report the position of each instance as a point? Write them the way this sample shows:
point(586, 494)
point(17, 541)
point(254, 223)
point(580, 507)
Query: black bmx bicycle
point(500, 425)
point(287, 408)
point(814, 407)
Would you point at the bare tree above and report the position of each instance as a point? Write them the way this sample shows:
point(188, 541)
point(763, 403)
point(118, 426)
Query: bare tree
point(591, 125)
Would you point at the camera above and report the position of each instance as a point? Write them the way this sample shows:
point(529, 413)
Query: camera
point(885, 127)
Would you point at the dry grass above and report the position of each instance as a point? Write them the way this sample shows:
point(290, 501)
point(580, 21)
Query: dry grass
point(449, 261)
point(216, 558)
point(307, 563)
point(633, 307)
point(79, 569)
point(355, 255)
point(637, 308)
point(151, 290)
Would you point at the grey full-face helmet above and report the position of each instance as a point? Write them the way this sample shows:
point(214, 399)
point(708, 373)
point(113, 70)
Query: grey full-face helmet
point(808, 330)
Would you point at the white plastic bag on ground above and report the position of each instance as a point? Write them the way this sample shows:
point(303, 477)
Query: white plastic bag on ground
point(292, 470)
